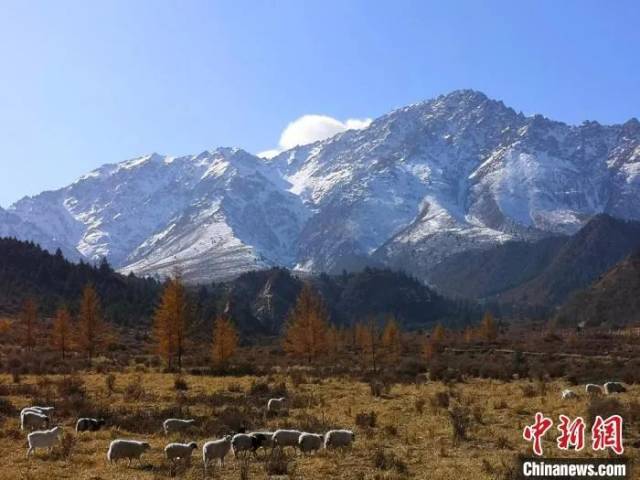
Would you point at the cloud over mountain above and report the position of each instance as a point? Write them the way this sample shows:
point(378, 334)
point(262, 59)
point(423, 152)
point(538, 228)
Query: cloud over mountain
point(313, 128)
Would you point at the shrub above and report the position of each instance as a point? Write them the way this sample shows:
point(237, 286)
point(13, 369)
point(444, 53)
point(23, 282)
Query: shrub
point(65, 446)
point(389, 461)
point(110, 383)
point(278, 464)
point(460, 423)
point(179, 383)
point(366, 420)
point(440, 399)
point(134, 390)
point(7, 408)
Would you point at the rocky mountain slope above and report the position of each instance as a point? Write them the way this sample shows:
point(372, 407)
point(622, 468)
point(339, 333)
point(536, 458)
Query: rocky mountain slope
point(457, 173)
point(542, 273)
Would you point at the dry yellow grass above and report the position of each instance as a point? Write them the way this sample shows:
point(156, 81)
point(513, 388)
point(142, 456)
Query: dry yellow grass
point(421, 440)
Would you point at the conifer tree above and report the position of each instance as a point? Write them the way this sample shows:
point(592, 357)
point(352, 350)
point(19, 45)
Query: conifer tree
point(306, 330)
point(368, 338)
point(171, 322)
point(61, 331)
point(488, 327)
point(92, 334)
point(225, 340)
point(334, 340)
point(391, 337)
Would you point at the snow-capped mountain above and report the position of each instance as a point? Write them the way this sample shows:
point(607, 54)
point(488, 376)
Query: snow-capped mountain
point(425, 181)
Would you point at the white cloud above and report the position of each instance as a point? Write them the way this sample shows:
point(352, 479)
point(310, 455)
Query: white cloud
point(312, 128)
point(269, 153)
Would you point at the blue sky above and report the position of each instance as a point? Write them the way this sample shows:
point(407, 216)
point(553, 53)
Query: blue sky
point(86, 83)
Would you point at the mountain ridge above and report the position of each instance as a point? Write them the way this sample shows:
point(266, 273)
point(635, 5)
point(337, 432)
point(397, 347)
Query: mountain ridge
point(455, 173)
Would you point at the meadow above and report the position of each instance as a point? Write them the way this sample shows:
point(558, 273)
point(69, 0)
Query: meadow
point(437, 429)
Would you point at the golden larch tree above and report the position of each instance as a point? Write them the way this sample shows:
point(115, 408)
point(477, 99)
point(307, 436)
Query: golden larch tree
point(29, 323)
point(225, 340)
point(306, 330)
point(170, 322)
point(434, 344)
point(488, 327)
point(368, 340)
point(392, 337)
point(334, 340)
point(92, 332)
point(61, 331)
point(468, 335)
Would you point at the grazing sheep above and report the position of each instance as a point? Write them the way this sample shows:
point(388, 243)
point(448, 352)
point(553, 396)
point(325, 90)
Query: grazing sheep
point(89, 424)
point(243, 442)
point(614, 387)
point(310, 442)
point(339, 438)
point(265, 439)
point(592, 389)
point(569, 395)
point(128, 449)
point(43, 439)
point(275, 405)
point(180, 451)
point(172, 425)
point(286, 438)
point(42, 409)
point(31, 420)
point(215, 449)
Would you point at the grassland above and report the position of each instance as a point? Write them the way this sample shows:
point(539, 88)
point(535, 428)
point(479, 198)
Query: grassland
point(406, 432)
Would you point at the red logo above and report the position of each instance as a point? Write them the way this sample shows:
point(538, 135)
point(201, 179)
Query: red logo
point(607, 434)
point(571, 433)
point(534, 433)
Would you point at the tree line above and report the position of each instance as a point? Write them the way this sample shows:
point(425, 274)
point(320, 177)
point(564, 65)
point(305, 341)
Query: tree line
point(308, 334)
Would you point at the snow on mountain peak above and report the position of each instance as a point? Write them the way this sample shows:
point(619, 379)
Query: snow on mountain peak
point(458, 172)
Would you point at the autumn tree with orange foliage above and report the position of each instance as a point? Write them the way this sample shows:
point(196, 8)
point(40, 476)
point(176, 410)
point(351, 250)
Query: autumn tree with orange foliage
point(61, 331)
point(225, 340)
point(368, 340)
point(435, 343)
point(92, 332)
point(29, 324)
point(392, 338)
point(306, 330)
point(170, 322)
point(488, 328)
point(335, 340)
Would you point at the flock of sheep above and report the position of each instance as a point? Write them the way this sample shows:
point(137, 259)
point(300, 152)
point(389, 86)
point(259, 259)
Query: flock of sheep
point(593, 389)
point(242, 443)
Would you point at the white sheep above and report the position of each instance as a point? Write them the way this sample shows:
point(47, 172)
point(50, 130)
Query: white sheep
point(569, 395)
point(244, 442)
point(338, 438)
point(215, 449)
point(286, 438)
point(128, 449)
point(180, 451)
point(592, 389)
point(310, 442)
point(614, 387)
point(31, 420)
point(275, 405)
point(42, 409)
point(172, 425)
point(43, 439)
